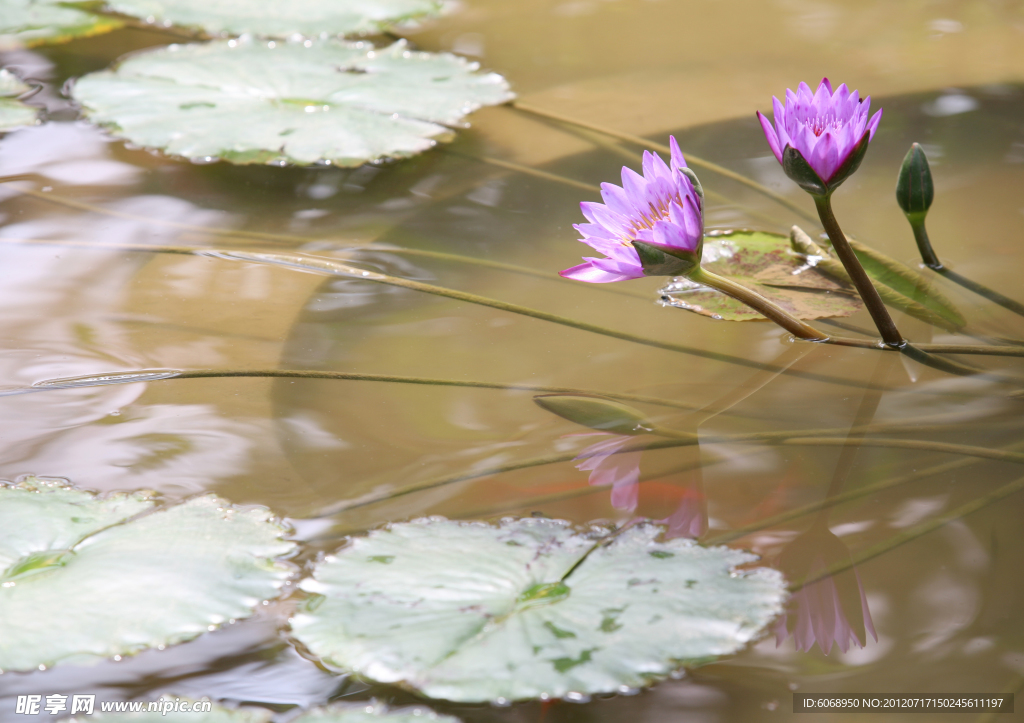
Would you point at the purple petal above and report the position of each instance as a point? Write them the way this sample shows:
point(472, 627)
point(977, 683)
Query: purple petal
point(615, 198)
point(588, 272)
point(626, 494)
point(873, 123)
point(770, 136)
point(828, 85)
point(825, 158)
point(677, 155)
point(601, 214)
point(636, 189)
point(780, 126)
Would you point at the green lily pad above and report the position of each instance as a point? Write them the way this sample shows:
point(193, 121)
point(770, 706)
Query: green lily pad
point(273, 19)
point(369, 712)
point(14, 113)
point(765, 263)
point(288, 102)
point(85, 577)
point(27, 23)
point(472, 612)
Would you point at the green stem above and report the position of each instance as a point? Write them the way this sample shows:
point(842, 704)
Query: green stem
point(150, 375)
point(890, 334)
point(915, 532)
point(793, 437)
point(796, 513)
point(924, 244)
point(981, 290)
point(931, 260)
point(758, 303)
point(334, 268)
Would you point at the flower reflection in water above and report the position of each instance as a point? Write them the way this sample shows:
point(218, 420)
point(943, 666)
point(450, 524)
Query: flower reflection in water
point(621, 470)
point(830, 611)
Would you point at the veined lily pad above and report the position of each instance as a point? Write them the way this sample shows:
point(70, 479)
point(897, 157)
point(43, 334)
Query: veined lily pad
point(14, 113)
point(369, 712)
point(85, 577)
point(274, 19)
point(472, 612)
point(765, 263)
point(288, 102)
point(26, 23)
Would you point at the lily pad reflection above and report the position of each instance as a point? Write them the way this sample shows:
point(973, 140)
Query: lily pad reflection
point(529, 609)
point(84, 577)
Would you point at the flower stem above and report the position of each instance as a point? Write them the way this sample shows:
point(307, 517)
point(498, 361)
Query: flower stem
point(924, 245)
point(797, 512)
point(931, 260)
point(760, 304)
point(890, 334)
point(917, 531)
point(981, 290)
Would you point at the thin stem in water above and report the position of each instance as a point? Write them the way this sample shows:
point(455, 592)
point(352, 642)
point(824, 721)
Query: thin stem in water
point(645, 143)
point(931, 260)
point(890, 334)
point(917, 531)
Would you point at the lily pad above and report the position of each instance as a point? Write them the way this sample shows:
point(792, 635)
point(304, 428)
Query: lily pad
point(14, 113)
point(327, 101)
point(765, 263)
point(529, 609)
point(274, 19)
point(84, 577)
point(27, 23)
point(369, 712)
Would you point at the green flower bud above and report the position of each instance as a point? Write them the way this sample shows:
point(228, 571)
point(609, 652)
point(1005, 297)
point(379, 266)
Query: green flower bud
point(914, 189)
point(597, 413)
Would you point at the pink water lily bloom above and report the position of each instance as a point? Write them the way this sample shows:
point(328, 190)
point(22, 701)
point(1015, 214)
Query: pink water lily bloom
point(827, 128)
point(661, 208)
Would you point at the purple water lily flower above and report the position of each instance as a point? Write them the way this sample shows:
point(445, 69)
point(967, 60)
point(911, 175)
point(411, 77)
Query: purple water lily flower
point(827, 131)
point(661, 208)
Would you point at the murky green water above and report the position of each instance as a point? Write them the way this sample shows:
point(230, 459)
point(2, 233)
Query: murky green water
point(80, 295)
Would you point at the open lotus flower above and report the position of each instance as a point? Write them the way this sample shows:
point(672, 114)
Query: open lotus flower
point(820, 138)
point(652, 226)
point(830, 611)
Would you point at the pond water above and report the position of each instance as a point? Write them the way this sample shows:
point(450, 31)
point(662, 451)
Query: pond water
point(81, 296)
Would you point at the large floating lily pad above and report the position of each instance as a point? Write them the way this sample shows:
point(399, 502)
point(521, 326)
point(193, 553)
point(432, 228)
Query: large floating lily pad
point(326, 101)
point(276, 19)
point(472, 612)
point(370, 712)
point(766, 263)
point(26, 23)
point(14, 113)
point(85, 577)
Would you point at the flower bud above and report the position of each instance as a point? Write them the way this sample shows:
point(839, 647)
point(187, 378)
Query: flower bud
point(914, 189)
point(597, 413)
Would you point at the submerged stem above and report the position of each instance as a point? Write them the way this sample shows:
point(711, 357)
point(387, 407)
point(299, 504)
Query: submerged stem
point(890, 334)
point(334, 268)
point(760, 304)
point(915, 532)
point(932, 261)
point(645, 143)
